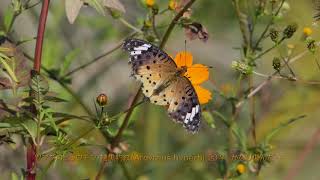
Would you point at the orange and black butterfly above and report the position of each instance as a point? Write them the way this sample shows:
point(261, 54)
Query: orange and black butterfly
point(164, 83)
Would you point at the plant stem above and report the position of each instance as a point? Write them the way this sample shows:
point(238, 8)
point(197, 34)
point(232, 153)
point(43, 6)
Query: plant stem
point(252, 113)
point(154, 26)
point(125, 122)
point(32, 149)
point(126, 23)
point(268, 50)
point(173, 23)
point(307, 150)
point(99, 57)
point(268, 26)
point(265, 82)
point(40, 35)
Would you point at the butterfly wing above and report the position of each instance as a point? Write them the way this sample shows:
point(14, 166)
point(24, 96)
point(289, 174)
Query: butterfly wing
point(156, 70)
point(184, 106)
point(151, 66)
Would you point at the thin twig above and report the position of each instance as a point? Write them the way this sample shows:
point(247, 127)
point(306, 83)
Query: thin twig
point(126, 23)
point(99, 57)
point(173, 23)
point(314, 140)
point(154, 25)
point(261, 85)
point(268, 26)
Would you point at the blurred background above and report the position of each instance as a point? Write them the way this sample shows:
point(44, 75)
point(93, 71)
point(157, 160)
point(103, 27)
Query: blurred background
point(150, 131)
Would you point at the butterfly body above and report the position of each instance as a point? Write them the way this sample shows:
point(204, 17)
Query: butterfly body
point(164, 83)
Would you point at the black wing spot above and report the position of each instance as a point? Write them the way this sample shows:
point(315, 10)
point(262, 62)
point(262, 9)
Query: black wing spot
point(147, 91)
point(164, 100)
point(154, 61)
point(150, 82)
point(150, 75)
point(164, 95)
point(148, 67)
point(148, 78)
point(183, 97)
point(154, 83)
point(155, 101)
point(176, 103)
point(141, 76)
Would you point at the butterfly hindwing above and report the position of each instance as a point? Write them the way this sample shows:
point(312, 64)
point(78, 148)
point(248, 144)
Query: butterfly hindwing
point(184, 106)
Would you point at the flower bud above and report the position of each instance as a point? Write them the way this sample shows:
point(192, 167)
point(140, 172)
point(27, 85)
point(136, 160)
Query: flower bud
point(241, 67)
point(312, 46)
point(274, 35)
point(276, 63)
point(290, 30)
point(102, 100)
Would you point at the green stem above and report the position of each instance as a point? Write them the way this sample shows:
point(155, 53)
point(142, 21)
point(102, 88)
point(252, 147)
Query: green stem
point(268, 50)
point(98, 58)
point(126, 23)
point(268, 26)
point(173, 23)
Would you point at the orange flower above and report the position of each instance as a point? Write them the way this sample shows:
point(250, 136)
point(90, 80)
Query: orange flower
point(197, 74)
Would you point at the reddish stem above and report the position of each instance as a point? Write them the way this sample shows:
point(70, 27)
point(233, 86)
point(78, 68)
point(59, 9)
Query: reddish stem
point(40, 35)
point(32, 149)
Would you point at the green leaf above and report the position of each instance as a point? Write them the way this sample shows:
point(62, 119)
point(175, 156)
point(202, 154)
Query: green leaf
point(2, 33)
point(5, 125)
point(274, 131)
point(14, 176)
point(222, 166)
point(209, 119)
point(240, 135)
point(48, 117)
point(39, 85)
point(68, 59)
point(31, 127)
point(4, 60)
point(8, 18)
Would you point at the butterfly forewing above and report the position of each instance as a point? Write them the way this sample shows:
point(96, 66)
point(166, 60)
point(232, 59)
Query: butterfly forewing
point(160, 83)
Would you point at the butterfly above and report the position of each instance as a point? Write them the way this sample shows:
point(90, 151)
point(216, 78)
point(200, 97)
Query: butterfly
point(164, 83)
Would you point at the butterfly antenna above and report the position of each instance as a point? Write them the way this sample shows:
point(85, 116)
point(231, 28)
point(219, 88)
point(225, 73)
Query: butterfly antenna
point(185, 52)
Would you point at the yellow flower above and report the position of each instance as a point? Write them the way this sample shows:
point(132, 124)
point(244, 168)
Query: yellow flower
point(307, 31)
point(150, 3)
point(197, 74)
point(173, 4)
point(241, 168)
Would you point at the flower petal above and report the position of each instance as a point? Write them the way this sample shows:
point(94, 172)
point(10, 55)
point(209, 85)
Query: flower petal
point(203, 94)
point(183, 58)
point(197, 73)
